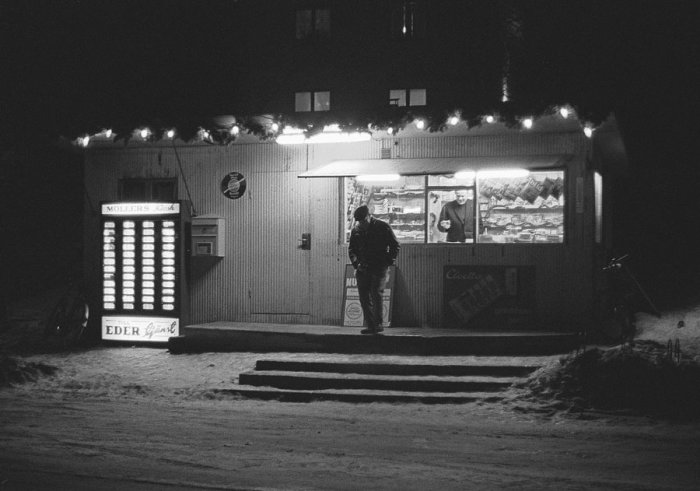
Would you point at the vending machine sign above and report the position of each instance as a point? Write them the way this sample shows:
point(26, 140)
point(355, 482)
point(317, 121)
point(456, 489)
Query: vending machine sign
point(143, 290)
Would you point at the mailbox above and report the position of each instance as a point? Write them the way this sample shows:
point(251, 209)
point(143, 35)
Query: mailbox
point(208, 236)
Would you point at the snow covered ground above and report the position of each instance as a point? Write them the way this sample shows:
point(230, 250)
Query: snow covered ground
point(141, 418)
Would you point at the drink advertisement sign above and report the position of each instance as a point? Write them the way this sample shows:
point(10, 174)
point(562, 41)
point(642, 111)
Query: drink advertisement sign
point(139, 329)
point(352, 311)
point(488, 296)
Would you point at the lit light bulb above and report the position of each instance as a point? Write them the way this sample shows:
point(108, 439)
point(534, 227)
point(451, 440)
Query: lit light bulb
point(84, 141)
point(235, 130)
point(108, 133)
point(588, 131)
point(390, 130)
point(170, 134)
point(454, 120)
point(564, 112)
point(490, 119)
point(420, 124)
point(144, 133)
point(527, 123)
point(275, 127)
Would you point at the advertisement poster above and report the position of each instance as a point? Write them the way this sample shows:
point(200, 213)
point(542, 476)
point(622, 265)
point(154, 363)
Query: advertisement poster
point(139, 329)
point(352, 311)
point(489, 297)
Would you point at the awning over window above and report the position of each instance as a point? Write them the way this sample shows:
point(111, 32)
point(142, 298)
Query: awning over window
point(423, 166)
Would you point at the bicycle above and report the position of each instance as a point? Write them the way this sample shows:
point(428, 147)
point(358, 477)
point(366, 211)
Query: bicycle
point(624, 297)
point(69, 318)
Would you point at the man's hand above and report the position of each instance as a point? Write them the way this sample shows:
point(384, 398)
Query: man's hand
point(445, 223)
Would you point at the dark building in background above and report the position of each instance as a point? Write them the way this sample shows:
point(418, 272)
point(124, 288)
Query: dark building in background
point(364, 56)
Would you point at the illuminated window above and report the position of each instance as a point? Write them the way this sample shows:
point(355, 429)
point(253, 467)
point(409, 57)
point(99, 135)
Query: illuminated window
point(312, 101)
point(400, 203)
point(488, 207)
point(408, 97)
point(598, 204)
point(525, 209)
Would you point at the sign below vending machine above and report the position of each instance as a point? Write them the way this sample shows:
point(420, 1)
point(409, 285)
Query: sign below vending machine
point(139, 329)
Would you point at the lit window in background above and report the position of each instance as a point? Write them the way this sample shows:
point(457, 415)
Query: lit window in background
point(417, 97)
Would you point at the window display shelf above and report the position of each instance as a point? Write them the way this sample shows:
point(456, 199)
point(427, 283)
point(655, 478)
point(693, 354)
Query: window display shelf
point(557, 209)
point(400, 216)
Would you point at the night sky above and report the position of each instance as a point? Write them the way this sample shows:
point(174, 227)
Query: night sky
point(70, 66)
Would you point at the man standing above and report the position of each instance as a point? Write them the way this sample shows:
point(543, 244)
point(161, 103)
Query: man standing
point(373, 248)
point(457, 217)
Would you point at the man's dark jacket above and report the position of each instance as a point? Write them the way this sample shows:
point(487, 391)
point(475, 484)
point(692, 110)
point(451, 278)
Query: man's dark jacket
point(461, 218)
point(374, 248)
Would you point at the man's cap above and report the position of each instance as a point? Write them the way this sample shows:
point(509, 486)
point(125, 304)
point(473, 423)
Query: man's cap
point(361, 212)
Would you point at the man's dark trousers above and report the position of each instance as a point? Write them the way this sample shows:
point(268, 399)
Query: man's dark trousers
point(370, 286)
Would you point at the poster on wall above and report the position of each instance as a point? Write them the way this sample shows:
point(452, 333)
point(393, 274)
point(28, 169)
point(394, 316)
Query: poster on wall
point(352, 311)
point(488, 297)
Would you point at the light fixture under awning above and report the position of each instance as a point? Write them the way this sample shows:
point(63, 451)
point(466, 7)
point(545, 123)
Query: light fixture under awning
point(423, 166)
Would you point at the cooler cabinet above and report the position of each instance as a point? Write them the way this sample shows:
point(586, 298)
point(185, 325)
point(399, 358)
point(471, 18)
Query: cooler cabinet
point(143, 277)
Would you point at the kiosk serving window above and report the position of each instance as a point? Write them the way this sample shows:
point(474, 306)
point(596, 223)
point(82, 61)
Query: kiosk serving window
point(499, 206)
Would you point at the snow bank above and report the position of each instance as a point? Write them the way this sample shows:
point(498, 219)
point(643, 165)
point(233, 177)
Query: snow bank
point(15, 371)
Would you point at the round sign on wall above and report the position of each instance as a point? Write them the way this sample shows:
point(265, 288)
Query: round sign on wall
point(233, 185)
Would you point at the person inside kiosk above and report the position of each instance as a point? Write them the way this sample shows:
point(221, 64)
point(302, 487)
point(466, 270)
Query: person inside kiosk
point(457, 217)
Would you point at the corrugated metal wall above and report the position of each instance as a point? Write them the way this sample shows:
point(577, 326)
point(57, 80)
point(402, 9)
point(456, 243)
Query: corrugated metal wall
point(265, 276)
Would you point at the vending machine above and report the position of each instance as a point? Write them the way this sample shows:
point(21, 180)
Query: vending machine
point(144, 280)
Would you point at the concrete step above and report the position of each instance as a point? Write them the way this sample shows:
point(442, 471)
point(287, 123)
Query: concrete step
point(322, 380)
point(358, 396)
point(420, 369)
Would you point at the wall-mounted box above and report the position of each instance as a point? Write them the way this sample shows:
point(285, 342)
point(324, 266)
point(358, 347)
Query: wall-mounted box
point(208, 233)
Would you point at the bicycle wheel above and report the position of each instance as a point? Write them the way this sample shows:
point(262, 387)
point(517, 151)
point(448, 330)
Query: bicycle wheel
point(76, 322)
